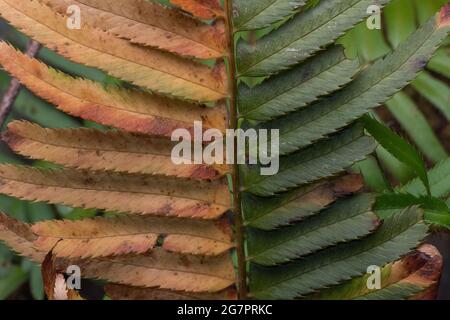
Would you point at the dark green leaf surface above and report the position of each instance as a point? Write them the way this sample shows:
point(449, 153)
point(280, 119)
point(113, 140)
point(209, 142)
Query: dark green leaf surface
point(346, 220)
point(271, 213)
point(296, 88)
point(274, 212)
point(324, 159)
point(395, 238)
point(301, 37)
point(258, 14)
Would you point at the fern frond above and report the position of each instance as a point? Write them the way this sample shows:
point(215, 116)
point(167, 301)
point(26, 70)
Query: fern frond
point(297, 88)
point(91, 149)
point(117, 192)
point(282, 210)
point(144, 67)
point(372, 87)
point(122, 292)
point(131, 110)
point(203, 9)
point(157, 269)
point(162, 270)
point(301, 37)
point(302, 232)
point(258, 14)
point(327, 158)
point(394, 239)
point(151, 24)
point(346, 220)
point(102, 237)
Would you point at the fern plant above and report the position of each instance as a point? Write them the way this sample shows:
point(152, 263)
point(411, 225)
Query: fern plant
point(306, 232)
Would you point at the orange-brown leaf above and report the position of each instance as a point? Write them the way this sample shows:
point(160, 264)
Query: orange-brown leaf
point(117, 192)
point(55, 285)
point(162, 270)
point(157, 269)
point(146, 67)
point(151, 24)
point(130, 110)
point(101, 237)
point(49, 273)
point(428, 274)
point(98, 150)
point(122, 292)
point(203, 9)
point(19, 237)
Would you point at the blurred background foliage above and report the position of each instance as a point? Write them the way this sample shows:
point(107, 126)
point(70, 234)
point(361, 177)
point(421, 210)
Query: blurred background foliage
point(420, 113)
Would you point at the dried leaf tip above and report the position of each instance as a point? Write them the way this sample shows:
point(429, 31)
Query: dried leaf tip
point(55, 285)
point(444, 16)
point(429, 273)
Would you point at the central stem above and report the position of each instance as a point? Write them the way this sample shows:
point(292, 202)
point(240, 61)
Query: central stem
point(237, 215)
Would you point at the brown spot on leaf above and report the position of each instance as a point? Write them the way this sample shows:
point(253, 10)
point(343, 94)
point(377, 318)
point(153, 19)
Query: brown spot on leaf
point(166, 209)
point(224, 226)
point(48, 271)
point(204, 173)
point(348, 184)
